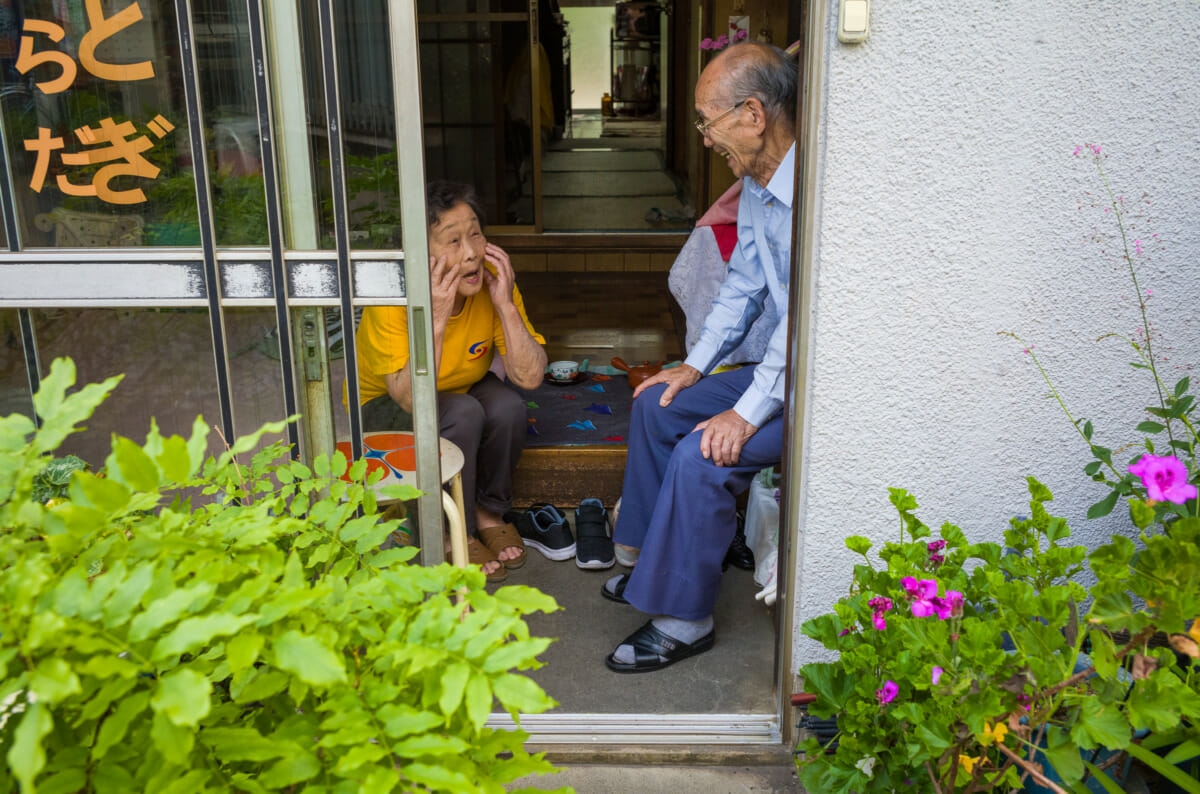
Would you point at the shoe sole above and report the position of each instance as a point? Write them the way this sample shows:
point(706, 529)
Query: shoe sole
point(594, 565)
point(558, 555)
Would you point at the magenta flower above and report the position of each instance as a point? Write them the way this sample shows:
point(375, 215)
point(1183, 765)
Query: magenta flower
point(888, 693)
point(936, 546)
point(949, 605)
point(707, 44)
point(880, 605)
point(722, 42)
point(1165, 478)
point(922, 590)
point(936, 559)
point(924, 608)
point(937, 674)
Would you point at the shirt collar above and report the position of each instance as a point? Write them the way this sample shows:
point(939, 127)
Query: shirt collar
point(781, 183)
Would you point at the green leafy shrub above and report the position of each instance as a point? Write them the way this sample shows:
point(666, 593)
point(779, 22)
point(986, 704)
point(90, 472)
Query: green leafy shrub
point(927, 696)
point(259, 642)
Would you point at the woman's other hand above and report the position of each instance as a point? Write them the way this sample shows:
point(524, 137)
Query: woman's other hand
point(499, 284)
point(443, 284)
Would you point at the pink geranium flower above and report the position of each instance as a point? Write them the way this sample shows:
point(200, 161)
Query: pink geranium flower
point(937, 674)
point(1165, 478)
point(887, 693)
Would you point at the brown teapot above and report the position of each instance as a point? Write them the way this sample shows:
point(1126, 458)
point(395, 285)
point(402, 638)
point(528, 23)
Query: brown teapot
point(638, 372)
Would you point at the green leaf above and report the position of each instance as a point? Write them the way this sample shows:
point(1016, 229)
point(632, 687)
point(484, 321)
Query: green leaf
point(1103, 779)
point(1150, 427)
point(520, 694)
point(174, 461)
point(1087, 430)
point(243, 744)
point(68, 781)
point(1063, 754)
point(321, 466)
point(454, 681)
point(437, 778)
point(520, 654)
point(195, 633)
point(183, 696)
point(1183, 752)
point(858, 544)
point(1182, 386)
point(107, 496)
point(175, 742)
point(402, 720)
point(308, 659)
point(526, 599)
point(294, 769)
point(54, 680)
point(1092, 468)
point(429, 744)
point(1140, 513)
point(242, 650)
point(27, 757)
point(1100, 725)
point(1159, 765)
point(133, 466)
point(392, 556)
point(1037, 491)
point(1104, 506)
point(478, 698)
point(116, 724)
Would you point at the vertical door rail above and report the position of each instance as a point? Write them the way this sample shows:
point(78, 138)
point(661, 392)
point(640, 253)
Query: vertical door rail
point(341, 216)
point(279, 284)
point(406, 97)
point(212, 277)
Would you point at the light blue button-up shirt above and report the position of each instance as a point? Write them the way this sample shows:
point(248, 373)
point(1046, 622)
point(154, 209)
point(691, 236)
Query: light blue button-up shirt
point(758, 271)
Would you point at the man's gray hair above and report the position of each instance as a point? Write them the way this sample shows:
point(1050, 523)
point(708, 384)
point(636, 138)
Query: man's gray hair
point(766, 73)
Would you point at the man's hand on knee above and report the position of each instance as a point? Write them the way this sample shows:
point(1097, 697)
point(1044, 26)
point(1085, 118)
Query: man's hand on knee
point(676, 378)
point(724, 436)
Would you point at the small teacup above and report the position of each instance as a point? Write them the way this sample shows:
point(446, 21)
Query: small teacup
point(563, 370)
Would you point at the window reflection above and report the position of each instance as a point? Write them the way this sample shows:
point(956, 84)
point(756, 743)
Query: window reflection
point(97, 130)
point(14, 378)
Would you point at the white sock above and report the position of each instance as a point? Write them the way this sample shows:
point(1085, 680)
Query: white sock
point(611, 585)
point(687, 631)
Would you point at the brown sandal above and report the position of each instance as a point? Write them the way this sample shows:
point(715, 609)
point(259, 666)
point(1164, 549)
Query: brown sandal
point(500, 537)
point(479, 554)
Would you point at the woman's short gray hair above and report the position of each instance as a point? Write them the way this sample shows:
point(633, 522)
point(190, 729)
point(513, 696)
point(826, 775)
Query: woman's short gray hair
point(766, 73)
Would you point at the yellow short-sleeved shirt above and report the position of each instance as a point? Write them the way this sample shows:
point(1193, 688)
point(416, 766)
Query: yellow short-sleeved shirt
point(473, 337)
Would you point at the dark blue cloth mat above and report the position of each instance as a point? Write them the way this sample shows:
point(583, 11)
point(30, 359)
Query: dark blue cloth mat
point(594, 410)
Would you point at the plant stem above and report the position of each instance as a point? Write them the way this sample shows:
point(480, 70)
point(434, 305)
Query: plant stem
point(933, 778)
point(1137, 641)
point(1133, 274)
point(1031, 771)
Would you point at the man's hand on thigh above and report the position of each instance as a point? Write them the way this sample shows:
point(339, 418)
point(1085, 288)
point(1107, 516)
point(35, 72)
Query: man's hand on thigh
point(676, 378)
point(724, 436)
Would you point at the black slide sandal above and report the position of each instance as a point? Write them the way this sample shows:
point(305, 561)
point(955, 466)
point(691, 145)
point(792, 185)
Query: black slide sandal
point(618, 592)
point(653, 650)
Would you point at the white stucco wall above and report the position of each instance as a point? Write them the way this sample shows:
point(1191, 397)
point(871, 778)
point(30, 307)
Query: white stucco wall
point(949, 210)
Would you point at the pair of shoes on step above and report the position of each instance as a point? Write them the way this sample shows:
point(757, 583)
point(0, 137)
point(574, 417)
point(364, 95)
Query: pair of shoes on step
point(544, 528)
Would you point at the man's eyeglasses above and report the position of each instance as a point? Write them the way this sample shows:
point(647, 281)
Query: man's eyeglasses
point(702, 126)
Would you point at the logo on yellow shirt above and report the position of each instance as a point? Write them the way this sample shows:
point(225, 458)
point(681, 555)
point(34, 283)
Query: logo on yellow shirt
point(478, 350)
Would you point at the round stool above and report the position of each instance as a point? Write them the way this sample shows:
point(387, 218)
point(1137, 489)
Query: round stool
point(394, 452)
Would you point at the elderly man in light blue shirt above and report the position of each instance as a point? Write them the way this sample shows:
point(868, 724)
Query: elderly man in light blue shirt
point(696, 440)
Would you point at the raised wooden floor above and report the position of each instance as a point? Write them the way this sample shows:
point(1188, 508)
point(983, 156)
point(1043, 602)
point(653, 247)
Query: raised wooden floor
point(595, 316)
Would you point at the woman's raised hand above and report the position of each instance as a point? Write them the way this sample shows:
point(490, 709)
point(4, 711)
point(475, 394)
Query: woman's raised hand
point(500, 283)
point(443, 284)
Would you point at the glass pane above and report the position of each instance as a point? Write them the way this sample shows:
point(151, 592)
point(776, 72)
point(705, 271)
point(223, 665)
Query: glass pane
point(96, 126)
point(226, 70)
point(165, 356)
point(477, 112)
point(14, 377)
point(254, 368)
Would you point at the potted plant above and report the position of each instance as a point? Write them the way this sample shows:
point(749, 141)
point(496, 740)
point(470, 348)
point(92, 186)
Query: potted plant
point(971, 666)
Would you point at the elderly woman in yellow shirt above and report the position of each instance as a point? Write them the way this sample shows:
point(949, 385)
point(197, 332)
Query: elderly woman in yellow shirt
point(477, 313)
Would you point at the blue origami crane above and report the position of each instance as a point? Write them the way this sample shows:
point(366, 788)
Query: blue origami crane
point(586, 424)
point(599, 408)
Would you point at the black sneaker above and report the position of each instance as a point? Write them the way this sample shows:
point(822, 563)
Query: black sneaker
point(543, 528)
point(595, 538)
